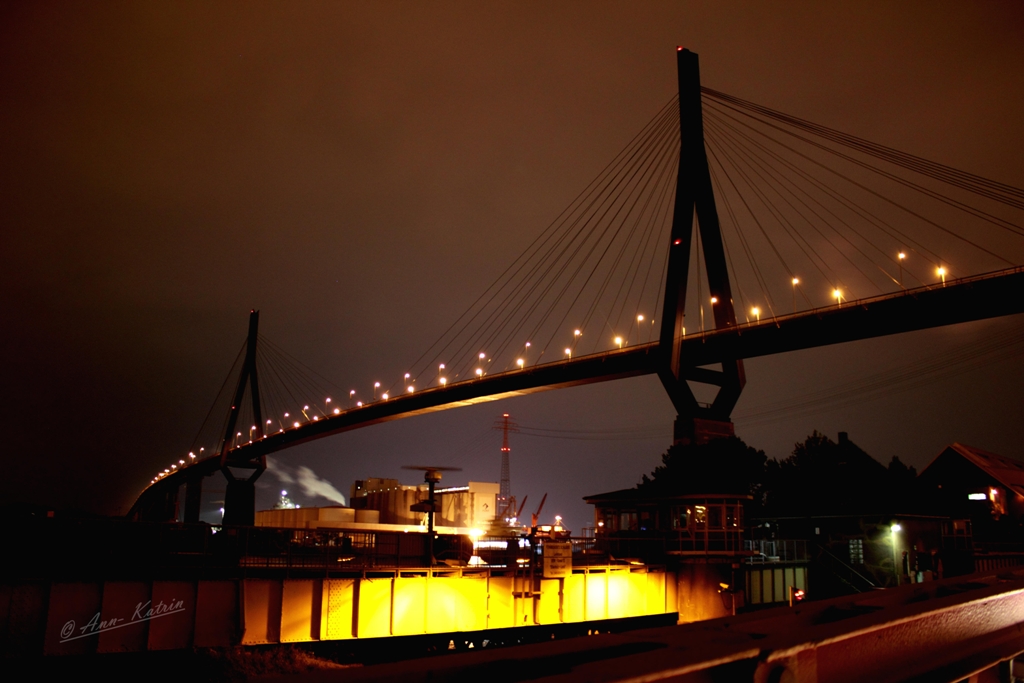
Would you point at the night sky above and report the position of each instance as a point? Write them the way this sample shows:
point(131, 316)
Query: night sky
point(359, 172)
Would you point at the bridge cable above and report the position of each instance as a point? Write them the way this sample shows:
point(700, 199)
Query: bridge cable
point(787, 227)
point(968, 181)
point(995, 220)
point(838, 197)
point(515, 268)
point(554, 259)
point(1012, 228)
point(792, 227)
point(764, 286)
point(618, 188)
point(775, 180)
point(232, 374)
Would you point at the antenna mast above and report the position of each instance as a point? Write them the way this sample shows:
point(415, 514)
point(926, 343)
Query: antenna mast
point(506, 425)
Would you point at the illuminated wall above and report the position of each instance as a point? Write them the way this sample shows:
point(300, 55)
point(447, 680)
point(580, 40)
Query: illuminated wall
point(700, 593)
point(254, 612)
point(474, 507)
point(772, 584)
point(415, 605)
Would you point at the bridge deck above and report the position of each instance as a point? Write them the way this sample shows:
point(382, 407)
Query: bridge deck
point(967, 299)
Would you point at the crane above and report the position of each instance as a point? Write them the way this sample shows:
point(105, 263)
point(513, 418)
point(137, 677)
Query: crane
point(535, 515)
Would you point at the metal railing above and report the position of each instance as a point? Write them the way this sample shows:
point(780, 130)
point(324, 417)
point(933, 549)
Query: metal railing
point(53, 547)
point(768, 551)
point(655, 545)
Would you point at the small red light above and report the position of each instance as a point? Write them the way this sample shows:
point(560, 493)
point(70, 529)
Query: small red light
point(678, 242)
point(679, 48)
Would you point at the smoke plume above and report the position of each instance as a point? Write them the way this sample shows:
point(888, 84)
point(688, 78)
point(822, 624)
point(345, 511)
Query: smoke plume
point(280, 471)
point(307, 479)
point(313, 485)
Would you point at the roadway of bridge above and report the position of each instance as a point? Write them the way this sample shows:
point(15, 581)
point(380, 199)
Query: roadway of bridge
point(985, 296)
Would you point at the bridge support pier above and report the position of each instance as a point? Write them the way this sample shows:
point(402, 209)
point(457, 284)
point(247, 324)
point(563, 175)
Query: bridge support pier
point(697, 431)
point(240, 503)
point(240, 496)
point(695, 198)
point(193, 499)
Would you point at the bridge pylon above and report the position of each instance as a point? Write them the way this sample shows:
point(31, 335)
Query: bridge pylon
point(696, 422)
point(240, 496)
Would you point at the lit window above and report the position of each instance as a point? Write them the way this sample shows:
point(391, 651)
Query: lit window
point(680, 517)
point(627, 521)
point(700, 515)
point(856, 551)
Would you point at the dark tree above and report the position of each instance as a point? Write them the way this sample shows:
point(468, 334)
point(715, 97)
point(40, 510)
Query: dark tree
point(820, 477)
point(719, 466)
point(825, 477)
point(900, 474)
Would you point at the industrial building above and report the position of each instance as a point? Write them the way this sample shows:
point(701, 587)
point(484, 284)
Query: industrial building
point(472, 506)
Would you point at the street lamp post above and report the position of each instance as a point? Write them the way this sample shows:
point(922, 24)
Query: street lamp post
point(894, 529)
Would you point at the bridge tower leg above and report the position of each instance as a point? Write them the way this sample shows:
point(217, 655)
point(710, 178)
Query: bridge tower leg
point(240, 497)
point(193, 498)
point(696, 423)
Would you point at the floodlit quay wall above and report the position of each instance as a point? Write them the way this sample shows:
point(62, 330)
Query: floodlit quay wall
point(133, 616)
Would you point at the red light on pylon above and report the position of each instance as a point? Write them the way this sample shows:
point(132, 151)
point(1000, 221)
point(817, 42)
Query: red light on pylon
point(677, 242)
point(679, 48)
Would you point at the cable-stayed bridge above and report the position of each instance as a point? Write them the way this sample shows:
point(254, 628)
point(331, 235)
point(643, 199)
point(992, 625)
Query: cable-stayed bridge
point(723, 231)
